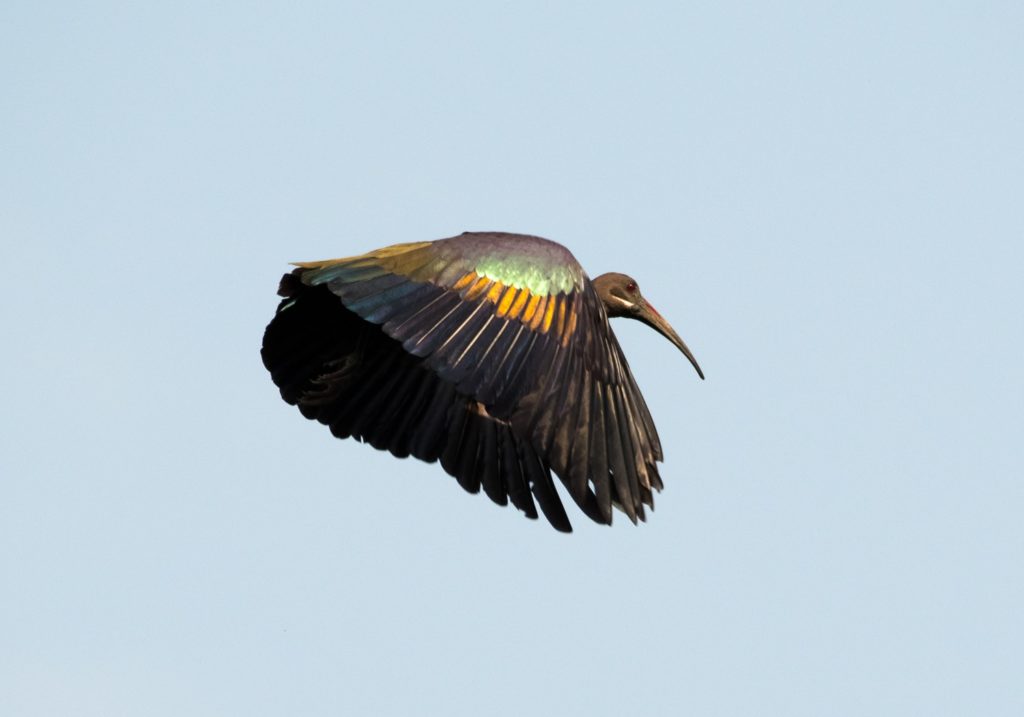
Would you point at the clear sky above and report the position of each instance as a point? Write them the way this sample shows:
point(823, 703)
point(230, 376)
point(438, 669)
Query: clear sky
point(826, 203)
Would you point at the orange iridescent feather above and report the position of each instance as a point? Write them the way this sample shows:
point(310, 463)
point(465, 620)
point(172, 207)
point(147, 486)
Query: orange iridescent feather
point(520, 302)
point(506, 301)
point(549, 314)
point(538, 317)
point(478, 288)
point(468, 278)
point(495, 292)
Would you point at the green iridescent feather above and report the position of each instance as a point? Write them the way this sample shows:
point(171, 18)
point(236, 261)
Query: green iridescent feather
point(521, 261)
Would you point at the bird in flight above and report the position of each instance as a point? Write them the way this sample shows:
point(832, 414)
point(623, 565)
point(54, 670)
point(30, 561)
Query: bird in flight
point(489, 352)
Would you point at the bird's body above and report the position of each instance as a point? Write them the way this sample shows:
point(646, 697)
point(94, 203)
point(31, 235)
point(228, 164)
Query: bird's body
point(489, 352)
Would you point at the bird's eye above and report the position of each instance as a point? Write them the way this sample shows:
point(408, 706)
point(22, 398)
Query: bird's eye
point(631, 287)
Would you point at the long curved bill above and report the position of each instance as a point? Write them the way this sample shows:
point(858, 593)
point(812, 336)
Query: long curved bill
point(650, 316)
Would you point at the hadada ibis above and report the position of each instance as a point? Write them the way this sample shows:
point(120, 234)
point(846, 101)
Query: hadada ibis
point(489, 352)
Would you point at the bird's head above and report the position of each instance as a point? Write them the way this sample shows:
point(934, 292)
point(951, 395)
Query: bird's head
point(621, 297)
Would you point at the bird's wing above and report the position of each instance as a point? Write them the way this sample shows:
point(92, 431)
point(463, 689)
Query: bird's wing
point(347, 374)
point(514, 323)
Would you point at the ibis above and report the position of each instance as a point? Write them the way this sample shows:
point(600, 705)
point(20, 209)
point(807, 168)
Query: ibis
point(489, 352)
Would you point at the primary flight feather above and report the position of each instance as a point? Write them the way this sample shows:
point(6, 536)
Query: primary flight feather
point(490, 352)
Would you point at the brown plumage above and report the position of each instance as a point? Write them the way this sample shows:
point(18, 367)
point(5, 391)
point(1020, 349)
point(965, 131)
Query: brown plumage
point(491, 353)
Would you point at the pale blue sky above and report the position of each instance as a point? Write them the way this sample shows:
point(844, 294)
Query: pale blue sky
point(826, 203)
